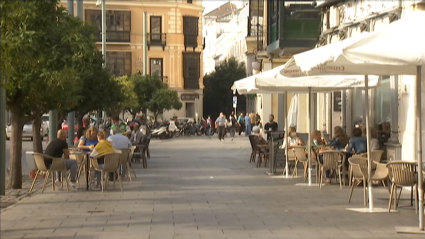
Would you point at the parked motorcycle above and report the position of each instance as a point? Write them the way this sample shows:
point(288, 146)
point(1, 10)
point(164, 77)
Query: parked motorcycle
point(162, 132)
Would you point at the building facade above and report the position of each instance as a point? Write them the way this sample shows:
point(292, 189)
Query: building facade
point(392, 103)
point(224, 32)
point(172, 31)
point(277, 30)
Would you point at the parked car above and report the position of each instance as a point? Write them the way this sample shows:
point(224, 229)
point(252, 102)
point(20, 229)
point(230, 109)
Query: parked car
point(27, 130)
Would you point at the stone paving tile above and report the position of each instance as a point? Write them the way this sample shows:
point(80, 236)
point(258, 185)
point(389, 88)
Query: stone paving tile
point(202, 188)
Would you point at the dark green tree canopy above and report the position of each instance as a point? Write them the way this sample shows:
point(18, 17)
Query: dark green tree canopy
point(217, 94)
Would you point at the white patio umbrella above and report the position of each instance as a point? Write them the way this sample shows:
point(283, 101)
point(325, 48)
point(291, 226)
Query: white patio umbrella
point(293, 111)
point(307, 84)
point(397, 49)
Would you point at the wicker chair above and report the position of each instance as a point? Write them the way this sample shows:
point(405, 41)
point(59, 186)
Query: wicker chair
point(111, 165)
point(350, 170)
point(381, 173)
point(359, 175)
point(58, 165)
point(402, 174)
point(125, 162)
point(332, 160)
point(254, 148)
point(292, 157)
point(299, 152)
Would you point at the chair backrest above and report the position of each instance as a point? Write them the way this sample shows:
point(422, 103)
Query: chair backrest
point(112, 162)
point(331, 159)
point(376, 155)
point(358, 166)
point(291, 154)
point(39, 161)
point(132, 149)
point(125, 153)
point(402, 173)
point(253, 139)
point(299, 152)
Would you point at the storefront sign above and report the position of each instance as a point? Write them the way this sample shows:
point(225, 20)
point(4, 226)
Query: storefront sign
point(189, 97)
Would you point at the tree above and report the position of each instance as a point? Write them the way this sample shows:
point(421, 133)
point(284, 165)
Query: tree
point(145, 88)
point(130, 102)
point(44, 50)
point(164, 99)
point(217, 94)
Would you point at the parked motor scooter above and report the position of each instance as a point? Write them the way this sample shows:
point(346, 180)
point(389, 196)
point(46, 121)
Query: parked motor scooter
point(162, 132)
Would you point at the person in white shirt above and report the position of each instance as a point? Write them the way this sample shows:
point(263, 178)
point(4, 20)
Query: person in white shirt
point(119, 141)
point(293, 139)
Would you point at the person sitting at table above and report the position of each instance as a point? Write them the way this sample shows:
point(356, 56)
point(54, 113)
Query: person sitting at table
point(340, 138)
point(374, 143)
point(270, 126)
point(103, 147)
point(136, 135)
point(119, 141)
point(317, 145)
point(89, 140)
point(256, 131)
point(293, 139)
point(357, 143)
point(56, 148)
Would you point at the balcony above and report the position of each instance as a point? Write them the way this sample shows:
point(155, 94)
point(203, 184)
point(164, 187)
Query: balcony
point(157, 39)
point(297, 31)
point(115, 36)
point(190, 40)
point(255, 40)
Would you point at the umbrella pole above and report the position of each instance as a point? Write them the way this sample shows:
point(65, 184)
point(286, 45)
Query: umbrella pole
point(419, 130)
point(285, 135)
point(369, 165)
point(309, 136)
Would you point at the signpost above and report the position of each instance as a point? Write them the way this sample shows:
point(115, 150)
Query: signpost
point(235, 102)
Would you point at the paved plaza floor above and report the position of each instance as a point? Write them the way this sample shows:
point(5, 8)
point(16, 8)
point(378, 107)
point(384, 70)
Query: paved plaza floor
point(195, 187)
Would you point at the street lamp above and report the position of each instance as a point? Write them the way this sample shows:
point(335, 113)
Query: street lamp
point(102, 3)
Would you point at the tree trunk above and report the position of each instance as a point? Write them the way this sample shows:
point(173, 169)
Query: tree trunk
point(79, 121)
point(17, 120)
point(37, 137)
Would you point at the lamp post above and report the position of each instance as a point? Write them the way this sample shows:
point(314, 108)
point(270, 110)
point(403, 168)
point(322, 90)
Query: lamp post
point(103, 13)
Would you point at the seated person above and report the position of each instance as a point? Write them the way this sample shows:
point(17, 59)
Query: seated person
point(119, 141)
point(293, 139)
point(103, 147)
point(270, 126)
point(374, 143)
point(136, 135)
point(357, 143)
point(89, 140)
point(56, 148)
point(261, 140)
point(340, 138)
point(317, 145)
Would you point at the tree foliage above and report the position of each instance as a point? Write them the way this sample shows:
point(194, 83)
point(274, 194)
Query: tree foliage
point(217, 94)
point(130, 102)
point(47, 55)
point(145, 87)
point(164, 99)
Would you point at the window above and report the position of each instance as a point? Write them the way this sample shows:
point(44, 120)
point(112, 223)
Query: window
point(156, 67)
point(190, 31)
point(383, 101)
point(118, 24)
point(189, 1)
point(156, 28)
point(273, 20)
point(119, 63)
point(191, 69)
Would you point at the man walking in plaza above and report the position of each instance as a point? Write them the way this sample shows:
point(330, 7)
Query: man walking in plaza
point(220, 123)
point(56, 149)
point(247, 125)
point(241, 124)
point(251, 120)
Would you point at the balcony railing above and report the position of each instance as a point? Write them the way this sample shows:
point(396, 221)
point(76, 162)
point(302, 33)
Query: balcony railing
point(157, 39)
point(115, 36)
point(254, 29)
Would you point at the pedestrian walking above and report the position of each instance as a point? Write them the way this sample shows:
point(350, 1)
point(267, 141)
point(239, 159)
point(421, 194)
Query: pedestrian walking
point(209, 126)
point(251, 120)
point(220, 123)
point(241, 123)
point(247, 125)
point(232, 125)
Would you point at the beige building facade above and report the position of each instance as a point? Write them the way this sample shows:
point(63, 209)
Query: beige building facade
point(155, 37)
